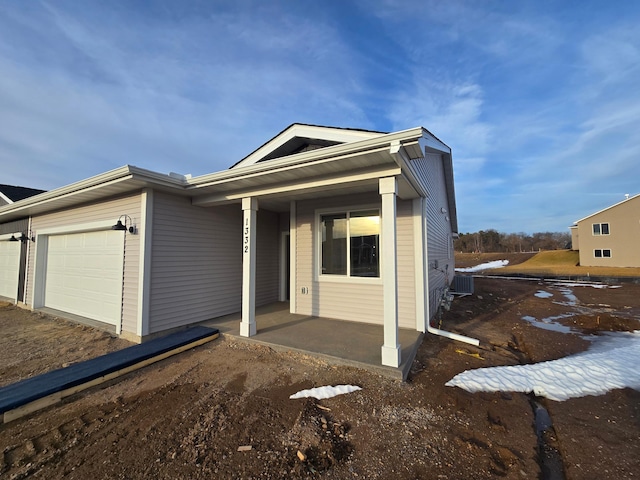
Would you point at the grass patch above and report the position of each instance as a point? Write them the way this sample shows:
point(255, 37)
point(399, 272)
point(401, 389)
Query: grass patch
point(564, 262)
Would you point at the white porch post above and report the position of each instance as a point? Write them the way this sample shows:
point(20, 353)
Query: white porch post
point(249, 211)
point(391, 352)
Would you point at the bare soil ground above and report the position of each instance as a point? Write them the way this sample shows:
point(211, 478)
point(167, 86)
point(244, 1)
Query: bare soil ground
point(186, 416)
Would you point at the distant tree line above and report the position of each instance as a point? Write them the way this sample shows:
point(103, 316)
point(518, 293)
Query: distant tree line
point(492, 241)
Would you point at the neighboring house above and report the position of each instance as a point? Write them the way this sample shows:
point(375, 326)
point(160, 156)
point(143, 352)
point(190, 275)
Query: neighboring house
point(345, 224)
point(10, 193)
point(13, 254)
point(610, 237)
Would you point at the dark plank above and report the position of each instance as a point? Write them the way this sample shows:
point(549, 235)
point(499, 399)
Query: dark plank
point(30, 389)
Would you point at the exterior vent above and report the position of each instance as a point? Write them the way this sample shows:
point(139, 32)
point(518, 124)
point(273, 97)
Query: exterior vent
point(463, 284)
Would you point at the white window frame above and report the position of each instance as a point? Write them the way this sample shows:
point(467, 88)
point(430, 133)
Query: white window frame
point(600, 229)
point(602, 250)
point(319, 276)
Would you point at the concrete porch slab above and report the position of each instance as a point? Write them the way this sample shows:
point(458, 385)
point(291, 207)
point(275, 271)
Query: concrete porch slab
point(338, 342)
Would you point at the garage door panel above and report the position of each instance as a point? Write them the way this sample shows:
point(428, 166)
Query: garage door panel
point(84, 274)
point(9, 268)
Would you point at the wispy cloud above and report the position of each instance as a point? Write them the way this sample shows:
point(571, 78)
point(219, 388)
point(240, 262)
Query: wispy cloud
point(538, 100)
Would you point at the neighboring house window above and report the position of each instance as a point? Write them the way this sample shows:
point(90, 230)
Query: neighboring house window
point(601, 229)
point(350, 243)
point(600, 253)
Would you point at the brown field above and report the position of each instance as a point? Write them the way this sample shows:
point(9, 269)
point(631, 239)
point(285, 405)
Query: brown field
point(186, 417)
point(552, 262)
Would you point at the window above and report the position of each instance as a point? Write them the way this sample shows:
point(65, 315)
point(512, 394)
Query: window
point(601, 229)
point(350, 243)
point(600, 253)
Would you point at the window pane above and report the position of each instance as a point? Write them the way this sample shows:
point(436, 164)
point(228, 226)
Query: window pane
point(364, 233)
point(334, 244)
point(596, 229)
point(606, 253)
point(604, 228)
point(598, 253)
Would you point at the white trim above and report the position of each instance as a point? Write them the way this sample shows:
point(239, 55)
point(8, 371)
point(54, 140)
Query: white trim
point(292, 255)
point(78, 228)
point(331, 134)
point(6, 236)
point(41, 256)
point(6, 199)
point(144, 269)
point(391, 350)
point(249, 226)
point(304, 185)
point(317, 261)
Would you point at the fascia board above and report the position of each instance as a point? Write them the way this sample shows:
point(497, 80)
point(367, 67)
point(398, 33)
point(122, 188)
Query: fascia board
point(305, 157)
point(607, 208)
point(122, 174)
point(307, 131)
point(5, 198)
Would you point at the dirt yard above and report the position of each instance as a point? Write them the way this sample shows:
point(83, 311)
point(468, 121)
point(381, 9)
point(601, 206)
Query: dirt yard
point(186, 416)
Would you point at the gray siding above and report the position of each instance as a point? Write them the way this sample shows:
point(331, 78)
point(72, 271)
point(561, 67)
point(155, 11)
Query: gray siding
point(360, 302)
point(14, 227)
point(196, 263)
point(106, 210)
point(439, 235)
point(267, 257)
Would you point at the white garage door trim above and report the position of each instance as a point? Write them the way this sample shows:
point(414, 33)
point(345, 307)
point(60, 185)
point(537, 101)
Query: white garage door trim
point(41, 249)
point(9, 266)
point(84, 274)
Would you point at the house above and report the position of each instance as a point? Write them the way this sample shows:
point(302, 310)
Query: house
point(13, 254)
point(609, 237)
point(10, 193)
point(341, 223)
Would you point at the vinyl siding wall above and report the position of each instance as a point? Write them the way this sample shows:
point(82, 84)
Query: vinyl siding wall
point(360, 302)
point(440, 261)
point(108, 210)
point(267, 257)
point(196, 262)
point(14, 227)
point(623, 239)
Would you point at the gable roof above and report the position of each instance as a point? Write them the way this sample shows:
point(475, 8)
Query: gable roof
point(12, 193)
point(295, 176)
point(607, 208)
point(300, 137)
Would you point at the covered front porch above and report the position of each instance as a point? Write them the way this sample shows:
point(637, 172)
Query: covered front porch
point(338, 342)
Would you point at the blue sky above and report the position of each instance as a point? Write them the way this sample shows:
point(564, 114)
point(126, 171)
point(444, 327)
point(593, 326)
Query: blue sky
point(539, 100)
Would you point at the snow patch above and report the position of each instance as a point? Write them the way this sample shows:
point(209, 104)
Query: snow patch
point(322, 393)
point(485, 266)
point(543, 294)
point(610, 363)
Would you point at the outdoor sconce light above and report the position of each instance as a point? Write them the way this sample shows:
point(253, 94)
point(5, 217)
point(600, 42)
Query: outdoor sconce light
point(123, 226)
point(23, 238)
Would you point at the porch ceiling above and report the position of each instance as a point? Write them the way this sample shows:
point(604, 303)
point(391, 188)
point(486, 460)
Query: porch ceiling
point(355, 173)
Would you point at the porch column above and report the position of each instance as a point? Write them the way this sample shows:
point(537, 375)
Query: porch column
point(391, 351)
point(249, 211)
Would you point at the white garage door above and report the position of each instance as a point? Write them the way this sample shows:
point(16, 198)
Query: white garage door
point(9, 268)
point(84, 274)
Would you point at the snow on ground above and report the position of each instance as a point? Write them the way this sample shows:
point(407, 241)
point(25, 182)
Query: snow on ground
point(610, 363)
point(321, 393)
point(485, 266)
point(543, 294)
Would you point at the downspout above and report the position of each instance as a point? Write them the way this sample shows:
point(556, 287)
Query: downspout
point(427, 266)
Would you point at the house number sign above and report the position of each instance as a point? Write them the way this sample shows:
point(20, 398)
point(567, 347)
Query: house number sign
point(246, 235)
